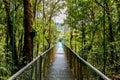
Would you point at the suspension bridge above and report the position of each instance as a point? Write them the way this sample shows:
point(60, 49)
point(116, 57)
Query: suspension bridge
point(59, 63)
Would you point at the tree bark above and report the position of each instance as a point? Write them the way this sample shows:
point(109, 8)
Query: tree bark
point(10, 35)
point(118, 14)
point(28, 32)
point(71, 37)
point(34, 10)
point(111, 38)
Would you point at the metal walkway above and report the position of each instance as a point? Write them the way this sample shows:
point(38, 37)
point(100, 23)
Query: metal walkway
point(59, 64)
point(60, 69)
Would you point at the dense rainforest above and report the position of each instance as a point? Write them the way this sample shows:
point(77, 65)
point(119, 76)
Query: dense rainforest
point(28, 28)
point(94, 33)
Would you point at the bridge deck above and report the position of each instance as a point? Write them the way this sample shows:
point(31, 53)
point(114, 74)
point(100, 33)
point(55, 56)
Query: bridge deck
point(60, 69)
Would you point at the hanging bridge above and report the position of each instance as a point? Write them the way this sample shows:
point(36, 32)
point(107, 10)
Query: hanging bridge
point(59, 63)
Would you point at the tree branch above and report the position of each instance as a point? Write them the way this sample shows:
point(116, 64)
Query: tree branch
point(99, 4)
point(53, 10)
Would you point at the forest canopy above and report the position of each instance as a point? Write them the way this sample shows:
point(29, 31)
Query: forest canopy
point(91, 28)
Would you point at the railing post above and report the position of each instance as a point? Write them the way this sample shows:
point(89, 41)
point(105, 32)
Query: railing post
point(78, 69)
point(47, 62)
point(82, 70)
point(68, 55)
point(32, 72)
point(40, 63)
point(44, 64)
point(70, 59)
point(35, 66)
point(38, 71)
point(73, 64)
point(81, 75)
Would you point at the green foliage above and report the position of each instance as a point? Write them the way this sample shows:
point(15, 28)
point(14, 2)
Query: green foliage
point(86, 17)
point(86, 22)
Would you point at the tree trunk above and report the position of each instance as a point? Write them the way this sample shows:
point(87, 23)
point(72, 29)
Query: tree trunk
point(28, 32)
point(35, 4)
point(38, 45)
point(118, 13)
point(71, 37)
point(20, 45)
point(111, 38)
point(11, 36)
point(84, 55)
point(50, 34)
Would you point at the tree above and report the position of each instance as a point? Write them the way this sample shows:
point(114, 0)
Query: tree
point(98, 31)
point(28, 32)
point(10, 40)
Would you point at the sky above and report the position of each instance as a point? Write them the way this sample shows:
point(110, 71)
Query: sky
point(60, 17)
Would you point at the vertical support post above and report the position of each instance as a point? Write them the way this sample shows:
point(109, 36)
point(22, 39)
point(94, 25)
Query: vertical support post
point(75, 64)
point(32, 73)
point(43, 24)
point(40, 62)
point(81, 71)
point(35, 70)
point(44, 64)
point(83, 34)
point(104, 47)
point(78, 70)
point(38, 67)
point(13, 36)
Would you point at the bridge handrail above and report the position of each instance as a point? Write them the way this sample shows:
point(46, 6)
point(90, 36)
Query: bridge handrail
point(23, 69)
point(30, 64)
point(88, 64)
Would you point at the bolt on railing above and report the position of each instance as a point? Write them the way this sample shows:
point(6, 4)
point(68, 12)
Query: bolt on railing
point(81, 69)
point(36, 69)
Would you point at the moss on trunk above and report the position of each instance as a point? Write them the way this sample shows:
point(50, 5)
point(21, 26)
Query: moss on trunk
point(28, 31)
